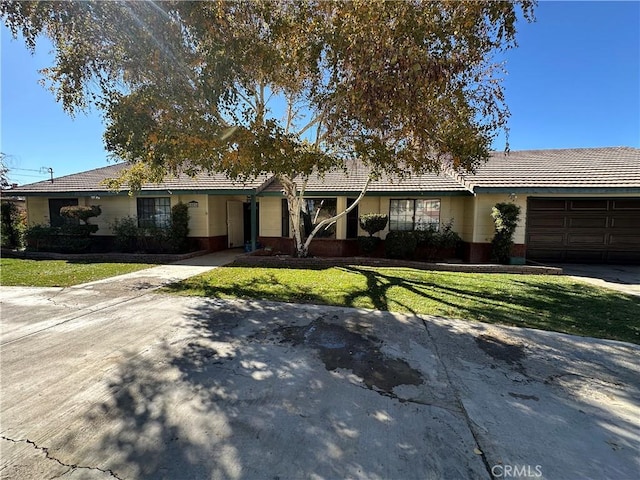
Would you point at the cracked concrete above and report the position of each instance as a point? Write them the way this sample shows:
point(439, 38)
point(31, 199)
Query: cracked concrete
point(68, 468)
point(142, 385)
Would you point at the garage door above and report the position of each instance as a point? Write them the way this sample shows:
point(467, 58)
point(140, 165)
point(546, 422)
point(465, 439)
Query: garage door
point(589, 230)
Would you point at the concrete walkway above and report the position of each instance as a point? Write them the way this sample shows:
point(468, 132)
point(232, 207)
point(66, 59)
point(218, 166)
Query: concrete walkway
point(156, 277)
point(87, 298)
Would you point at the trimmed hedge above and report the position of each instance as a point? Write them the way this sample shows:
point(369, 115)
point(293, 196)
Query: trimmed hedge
point(401, 245)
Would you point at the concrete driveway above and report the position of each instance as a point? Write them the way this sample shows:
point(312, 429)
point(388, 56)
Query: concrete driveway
point(624, 278)
point(115, 380)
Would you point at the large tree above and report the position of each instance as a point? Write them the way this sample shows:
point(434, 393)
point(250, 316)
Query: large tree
point(291, 88)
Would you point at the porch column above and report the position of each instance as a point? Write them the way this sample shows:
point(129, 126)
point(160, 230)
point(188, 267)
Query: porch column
point(254, 227)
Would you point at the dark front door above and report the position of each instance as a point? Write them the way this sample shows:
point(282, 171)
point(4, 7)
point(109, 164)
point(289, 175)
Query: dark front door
point(55, 204)
point(352, 220)
point(584, 230)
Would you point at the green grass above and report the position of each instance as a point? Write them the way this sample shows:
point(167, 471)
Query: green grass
point(551, 302)
point(59, 273)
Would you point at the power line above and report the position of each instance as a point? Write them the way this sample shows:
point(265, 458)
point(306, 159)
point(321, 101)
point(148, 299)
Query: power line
point(42, 170)
point(25, 175)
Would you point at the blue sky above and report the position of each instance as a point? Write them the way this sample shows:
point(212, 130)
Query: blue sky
point(574, 81)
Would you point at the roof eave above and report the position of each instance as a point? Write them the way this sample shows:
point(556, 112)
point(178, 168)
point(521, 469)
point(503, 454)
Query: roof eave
point(577, 189)
point(141, 193)
point(386, 193)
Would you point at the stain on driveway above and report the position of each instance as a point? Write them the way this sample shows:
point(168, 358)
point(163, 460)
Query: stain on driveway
point(339, 347)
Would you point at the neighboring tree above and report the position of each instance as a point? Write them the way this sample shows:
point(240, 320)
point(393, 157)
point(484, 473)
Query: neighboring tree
point(290, 88)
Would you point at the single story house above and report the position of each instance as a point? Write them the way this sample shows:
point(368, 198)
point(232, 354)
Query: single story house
point(578, 205)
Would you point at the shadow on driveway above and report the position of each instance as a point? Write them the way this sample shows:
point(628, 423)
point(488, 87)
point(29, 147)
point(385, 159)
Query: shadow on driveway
point(245, 396)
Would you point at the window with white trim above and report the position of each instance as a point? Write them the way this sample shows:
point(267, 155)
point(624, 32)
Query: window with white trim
point(410, 214)
point(154, 212)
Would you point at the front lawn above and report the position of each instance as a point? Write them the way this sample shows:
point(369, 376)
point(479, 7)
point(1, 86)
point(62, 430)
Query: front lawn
point(554, 303)
point(59, 273)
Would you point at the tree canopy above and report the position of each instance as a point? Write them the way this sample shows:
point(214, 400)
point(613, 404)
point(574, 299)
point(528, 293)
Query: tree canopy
point(283, 87)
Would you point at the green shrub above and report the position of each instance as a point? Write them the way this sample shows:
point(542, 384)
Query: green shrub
point(13, 227)
point(505, 217)
point(434, 241)
point(81, 212)
point(55, 239)
point(36, 236)
point(153, 239)
point(179, 230)
point(444, 237)
point(400, 244)
point(78, 230)
point(372, 223)
point(368, 245)
point(126, 234)
point(129, 237)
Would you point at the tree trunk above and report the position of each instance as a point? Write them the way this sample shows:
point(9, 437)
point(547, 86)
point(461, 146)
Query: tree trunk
point(295, 202)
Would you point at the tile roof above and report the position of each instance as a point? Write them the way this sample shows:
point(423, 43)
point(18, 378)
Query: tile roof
point(610, 167)
point(91, 181)
point(356, 175)
point(564, 169)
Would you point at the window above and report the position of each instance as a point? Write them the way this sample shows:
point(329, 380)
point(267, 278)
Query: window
point(414, 214)
point(319, 209)
point(154, 212)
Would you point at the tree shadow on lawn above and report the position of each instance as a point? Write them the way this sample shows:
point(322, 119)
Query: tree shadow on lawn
point(567, 307)
point(572, 308)
point(264, 287)
point(230, 400)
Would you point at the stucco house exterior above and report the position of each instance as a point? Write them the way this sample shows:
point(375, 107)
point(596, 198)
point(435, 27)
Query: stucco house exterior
point(578, 205)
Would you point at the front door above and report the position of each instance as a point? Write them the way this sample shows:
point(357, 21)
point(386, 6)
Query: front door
point(352, 220)
point(247, 220)
point(235, 224)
